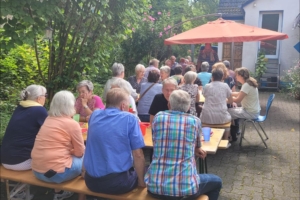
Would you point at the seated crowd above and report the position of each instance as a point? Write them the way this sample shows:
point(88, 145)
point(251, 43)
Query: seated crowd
point(112, 162)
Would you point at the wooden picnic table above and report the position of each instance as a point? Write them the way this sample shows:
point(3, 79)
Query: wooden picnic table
point(210, 147)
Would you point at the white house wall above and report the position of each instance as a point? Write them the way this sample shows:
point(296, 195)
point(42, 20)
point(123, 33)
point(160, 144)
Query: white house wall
point(290, 10)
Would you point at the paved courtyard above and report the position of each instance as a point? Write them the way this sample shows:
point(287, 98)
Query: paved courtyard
point(252, 172)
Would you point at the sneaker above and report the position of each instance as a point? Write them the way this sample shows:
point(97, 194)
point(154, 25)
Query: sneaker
point(21, 195)
point(63, 195)
point(228, 145)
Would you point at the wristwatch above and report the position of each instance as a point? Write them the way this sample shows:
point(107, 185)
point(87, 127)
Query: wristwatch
point(85, 107)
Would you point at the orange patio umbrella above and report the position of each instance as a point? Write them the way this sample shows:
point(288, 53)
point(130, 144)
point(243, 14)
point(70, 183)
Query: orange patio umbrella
point(222, 30)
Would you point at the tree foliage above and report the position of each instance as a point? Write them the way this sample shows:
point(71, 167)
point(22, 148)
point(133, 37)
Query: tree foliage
point(158, 24)
point(85, 34)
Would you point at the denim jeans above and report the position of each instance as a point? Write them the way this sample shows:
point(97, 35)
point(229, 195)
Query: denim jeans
point(210, 185)
point(70, 173)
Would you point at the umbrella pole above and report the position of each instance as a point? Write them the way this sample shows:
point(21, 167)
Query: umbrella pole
point(192, 51)
point(232, 56)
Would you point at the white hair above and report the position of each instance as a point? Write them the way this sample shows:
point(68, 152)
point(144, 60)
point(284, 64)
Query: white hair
point(180, 101)
point(165, 69)
point(32, 92)
point(190, 77)
point(117, 69)
point(138, 67)
point(62, 104)
point(88, 84)
point(121, 83)
point(170, 80)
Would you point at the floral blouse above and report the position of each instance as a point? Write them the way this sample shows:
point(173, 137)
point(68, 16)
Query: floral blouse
point(193, 91)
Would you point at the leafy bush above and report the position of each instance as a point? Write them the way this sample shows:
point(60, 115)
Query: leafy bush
point(293, 76)
point(6, 110)
point(260, 65)
point(18, 69)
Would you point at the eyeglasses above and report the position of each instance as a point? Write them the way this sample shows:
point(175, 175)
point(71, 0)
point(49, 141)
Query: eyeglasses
point(45, 95)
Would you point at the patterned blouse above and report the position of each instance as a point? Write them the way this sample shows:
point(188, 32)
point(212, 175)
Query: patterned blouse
point(137, 86)
point(193, 91)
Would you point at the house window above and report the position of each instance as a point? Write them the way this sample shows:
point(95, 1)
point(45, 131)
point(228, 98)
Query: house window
point(271, 21)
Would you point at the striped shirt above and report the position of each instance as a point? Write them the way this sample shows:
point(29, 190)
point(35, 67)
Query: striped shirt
point(173, 169)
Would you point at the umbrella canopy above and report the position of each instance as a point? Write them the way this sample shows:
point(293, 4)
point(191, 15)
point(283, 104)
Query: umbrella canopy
point(222, 30)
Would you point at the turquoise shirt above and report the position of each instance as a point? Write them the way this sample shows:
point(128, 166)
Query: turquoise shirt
point(204, 77)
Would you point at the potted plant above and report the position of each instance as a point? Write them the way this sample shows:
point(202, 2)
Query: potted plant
point(261, 67)
point(293, 77)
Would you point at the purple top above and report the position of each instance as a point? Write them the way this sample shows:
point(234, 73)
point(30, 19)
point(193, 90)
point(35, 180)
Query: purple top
point(95, 102)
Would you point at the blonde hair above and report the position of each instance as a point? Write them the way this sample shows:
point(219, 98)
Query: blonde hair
point(221, 66)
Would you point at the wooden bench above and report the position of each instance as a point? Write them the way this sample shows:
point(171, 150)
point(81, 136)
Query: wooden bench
point(226, 125)
point(223, 144)
point(76, 185)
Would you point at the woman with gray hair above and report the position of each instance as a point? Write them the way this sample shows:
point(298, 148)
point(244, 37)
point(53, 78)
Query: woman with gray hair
point(23, 127)
point(191, 89)
point(164, 73)
point(138, 79)
point(121, 83)
point(58, 150)
point(204, 75)
point(118, 71)
point(87, 102)
point(216, 94)
point(148, 91)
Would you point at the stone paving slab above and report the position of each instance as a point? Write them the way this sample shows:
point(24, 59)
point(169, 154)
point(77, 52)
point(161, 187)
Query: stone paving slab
point(253, 172)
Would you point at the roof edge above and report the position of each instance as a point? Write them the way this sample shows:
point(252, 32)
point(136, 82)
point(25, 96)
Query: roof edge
point(246, 3)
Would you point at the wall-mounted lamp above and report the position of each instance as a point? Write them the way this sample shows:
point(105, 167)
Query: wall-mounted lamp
point(254, 4)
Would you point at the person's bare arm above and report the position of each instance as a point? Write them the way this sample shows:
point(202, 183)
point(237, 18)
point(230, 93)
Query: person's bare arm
point(139, 166)
point(235, 94)
point(239, 97)
point(233, 89)
point(199, 152)
point(230, 100)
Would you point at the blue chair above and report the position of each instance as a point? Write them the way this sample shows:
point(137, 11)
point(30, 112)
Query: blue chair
point(258, 121)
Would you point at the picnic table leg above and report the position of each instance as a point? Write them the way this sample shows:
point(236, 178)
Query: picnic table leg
point(205, 163)
point(201, 171)
point(27, 192)
point(7, 189)
point(151, 154)
point(202, 166)
point(81, 196)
